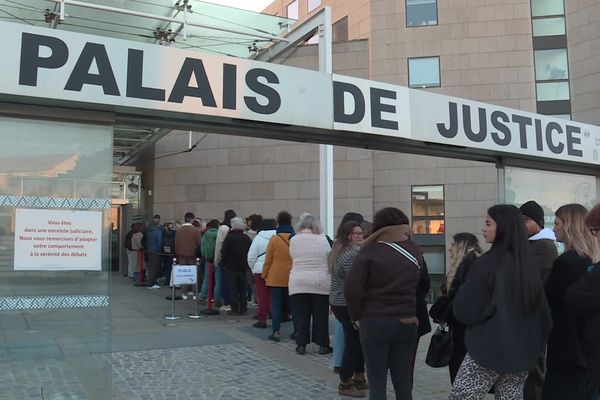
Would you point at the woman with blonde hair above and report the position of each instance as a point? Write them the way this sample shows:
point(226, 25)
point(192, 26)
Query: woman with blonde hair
point(583, 301)
point(565, 359)
point(463, 253)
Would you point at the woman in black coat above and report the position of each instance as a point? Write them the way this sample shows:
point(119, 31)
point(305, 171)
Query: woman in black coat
point(566, 361)
point(504, 310)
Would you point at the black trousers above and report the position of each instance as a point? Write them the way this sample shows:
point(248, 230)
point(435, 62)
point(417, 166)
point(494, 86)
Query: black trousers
point(237, 291)
point(569, 384)
point(388, 344)
point(309, 305)
point(353, 360)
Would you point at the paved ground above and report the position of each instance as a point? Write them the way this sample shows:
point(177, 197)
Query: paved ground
point(218, 357)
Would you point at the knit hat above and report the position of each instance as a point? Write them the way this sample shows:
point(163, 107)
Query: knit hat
point(534, 211)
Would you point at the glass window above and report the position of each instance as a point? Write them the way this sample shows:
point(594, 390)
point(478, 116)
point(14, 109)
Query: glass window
point(551, 65)
point(550, 189)
point(549, 91)
point(292, 10)
point(340, 30)
point(312, 4)
point(54, 173)
point(421, 12)
point(428, 210)
point(540, 8)
point(549, 26)
point(424, 72)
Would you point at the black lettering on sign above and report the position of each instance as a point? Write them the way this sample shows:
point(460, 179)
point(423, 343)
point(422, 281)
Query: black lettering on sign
point(539, 140)
point(229, 86)
point(377, 108)
point(339, 91)
point(135, 72)
point(476, 137)
point(523, 123)
point(272, 96)
point(555, 148)
point(499, 120)
point(182, 88)
point(31, 60)
point(93, 52)
point(571, 141)
point(452, 130)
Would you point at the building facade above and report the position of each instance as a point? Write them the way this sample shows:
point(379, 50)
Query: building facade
point(531, 55)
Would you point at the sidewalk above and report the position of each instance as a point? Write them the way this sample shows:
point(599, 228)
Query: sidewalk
point(221, 357)
point(71, 353)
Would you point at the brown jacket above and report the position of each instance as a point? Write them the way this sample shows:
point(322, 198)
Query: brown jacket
point(382, 283)
point(278, 262)
point(187, 243)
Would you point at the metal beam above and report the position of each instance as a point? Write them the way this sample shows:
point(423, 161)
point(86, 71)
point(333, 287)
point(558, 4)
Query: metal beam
point(64, 3)
point(298, 35)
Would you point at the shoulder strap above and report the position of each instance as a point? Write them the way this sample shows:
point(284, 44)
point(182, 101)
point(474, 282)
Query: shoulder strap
point(282, 238)
point(404, 252)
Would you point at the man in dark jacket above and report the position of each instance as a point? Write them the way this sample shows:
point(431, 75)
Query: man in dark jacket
point(542, 242)
point(234, 259)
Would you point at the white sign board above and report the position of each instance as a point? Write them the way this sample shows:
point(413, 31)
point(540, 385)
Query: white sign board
point(158, 81)
point(58, 240)
point(184, 275)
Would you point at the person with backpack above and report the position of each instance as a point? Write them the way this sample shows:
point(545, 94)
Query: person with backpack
point(207, 248)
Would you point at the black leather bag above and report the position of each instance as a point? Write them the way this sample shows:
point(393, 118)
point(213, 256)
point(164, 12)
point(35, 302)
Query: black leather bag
point(440, 348)
point(439, 310)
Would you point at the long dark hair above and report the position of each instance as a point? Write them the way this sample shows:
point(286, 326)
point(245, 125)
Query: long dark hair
point(510, 250)
point(341, 241)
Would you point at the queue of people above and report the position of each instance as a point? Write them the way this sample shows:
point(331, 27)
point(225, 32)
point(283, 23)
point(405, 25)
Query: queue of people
point(524, 320)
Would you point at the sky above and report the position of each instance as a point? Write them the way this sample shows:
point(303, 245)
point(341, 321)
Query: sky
point(253, 5)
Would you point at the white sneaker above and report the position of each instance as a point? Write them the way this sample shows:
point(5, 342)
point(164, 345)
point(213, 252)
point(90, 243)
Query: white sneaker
point(184, 296)
point(252, 305)
point(225, 308)
point(155, 286)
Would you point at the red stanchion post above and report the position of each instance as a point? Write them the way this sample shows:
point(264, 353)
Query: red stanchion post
point(141, 275)
point(209, 296)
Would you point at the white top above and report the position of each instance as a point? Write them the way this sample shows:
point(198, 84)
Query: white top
point(221, 234)
point(258, 250)
point(309, 264)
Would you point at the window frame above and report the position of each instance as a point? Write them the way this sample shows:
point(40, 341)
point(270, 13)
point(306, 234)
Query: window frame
point(414, 190)
point(287, 9)
point(437, 16)
point(439, 76)
point(309, 10)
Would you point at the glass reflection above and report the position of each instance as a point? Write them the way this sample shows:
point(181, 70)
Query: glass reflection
point(424, 72)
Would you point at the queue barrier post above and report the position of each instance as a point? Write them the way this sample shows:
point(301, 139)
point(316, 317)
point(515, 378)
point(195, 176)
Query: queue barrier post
point(172, 316)
point(196, 297)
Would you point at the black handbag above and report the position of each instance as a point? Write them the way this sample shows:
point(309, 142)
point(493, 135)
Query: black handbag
point(440, 348)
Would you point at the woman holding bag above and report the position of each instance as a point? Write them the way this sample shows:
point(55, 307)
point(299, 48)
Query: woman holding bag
point(504, 309)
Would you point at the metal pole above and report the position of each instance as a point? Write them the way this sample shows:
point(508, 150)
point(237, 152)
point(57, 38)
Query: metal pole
point(197, 315)
point(172, 316)
point(326, 150)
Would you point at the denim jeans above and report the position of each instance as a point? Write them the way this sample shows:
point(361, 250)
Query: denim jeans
point(278, 294)
point(338, 343)
point(217, 279)
point(388, 344)
point(353, 360)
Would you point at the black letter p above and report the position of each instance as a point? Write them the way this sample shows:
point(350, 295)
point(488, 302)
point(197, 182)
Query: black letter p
point(31, 60)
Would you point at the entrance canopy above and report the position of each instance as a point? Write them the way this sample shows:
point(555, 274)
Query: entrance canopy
point(178, 88)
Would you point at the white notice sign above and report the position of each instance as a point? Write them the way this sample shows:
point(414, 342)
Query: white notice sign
point(184, 275)
point(58, 240)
